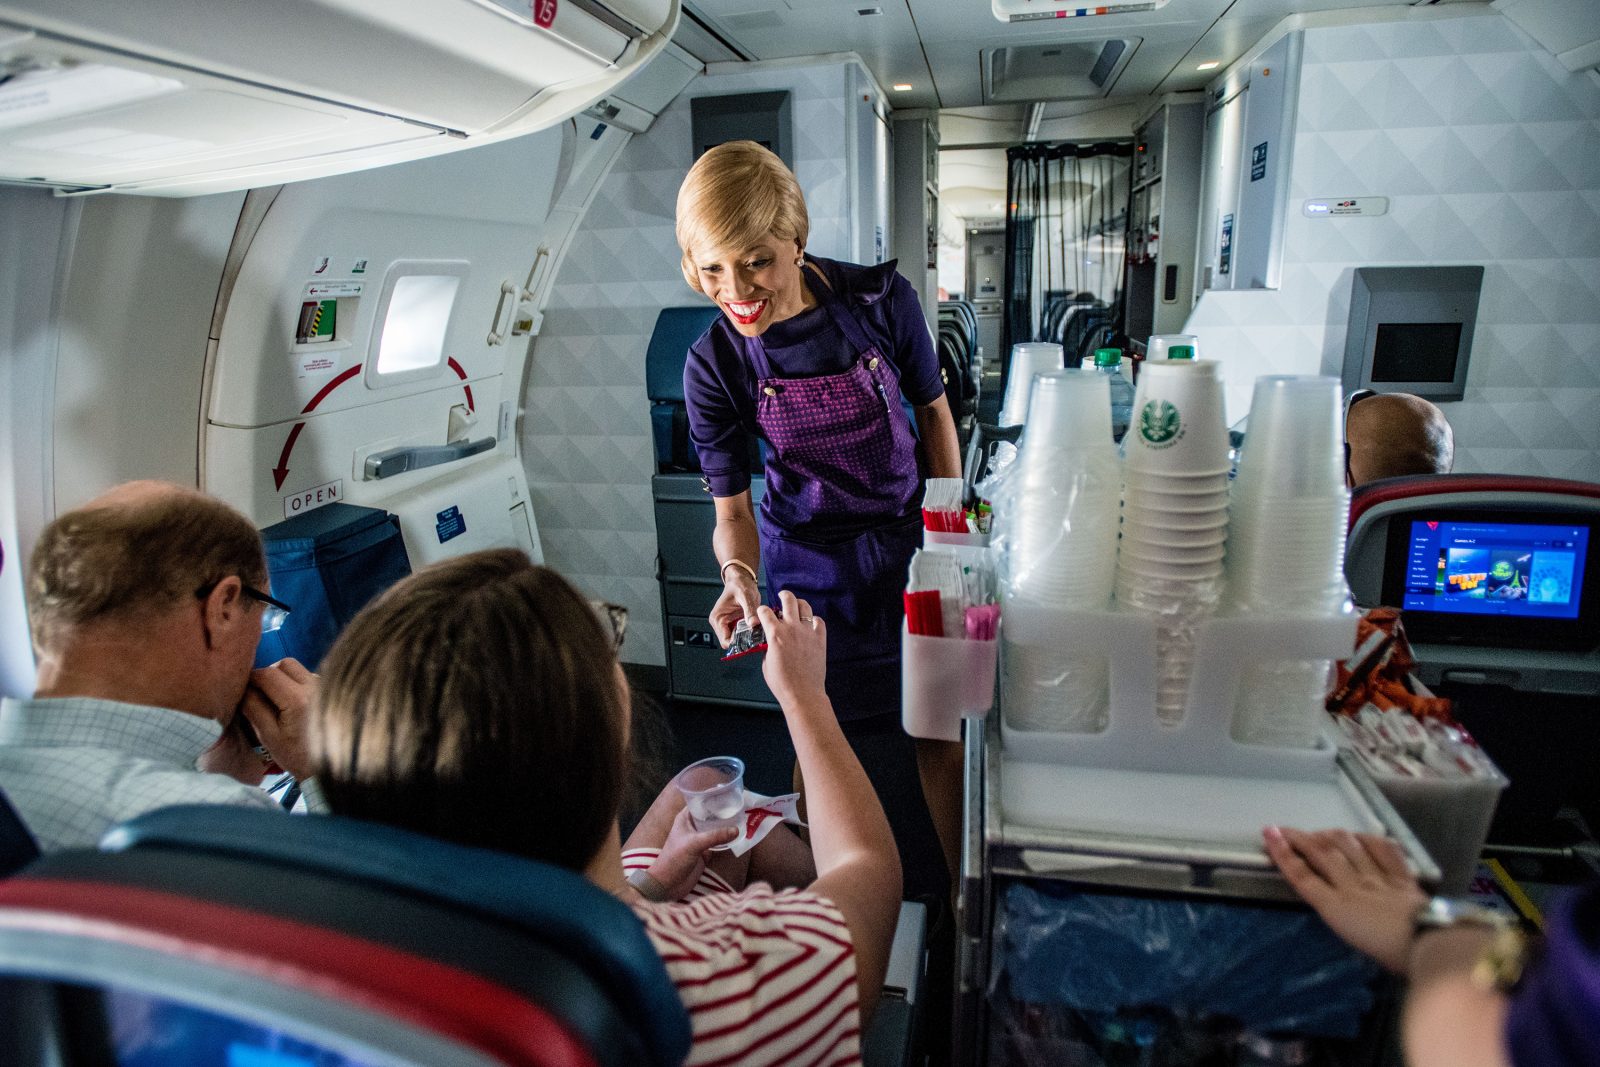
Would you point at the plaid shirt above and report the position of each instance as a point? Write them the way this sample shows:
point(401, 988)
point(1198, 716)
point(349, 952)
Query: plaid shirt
point(75, 766)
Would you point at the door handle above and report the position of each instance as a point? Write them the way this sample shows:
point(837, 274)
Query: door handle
point(533, 272)
point(395, 461)
point(497, 336)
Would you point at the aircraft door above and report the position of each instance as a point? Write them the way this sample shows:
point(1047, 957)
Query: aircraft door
point(370, 344)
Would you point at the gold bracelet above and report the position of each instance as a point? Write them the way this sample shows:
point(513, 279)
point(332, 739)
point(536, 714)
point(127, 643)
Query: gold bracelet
point(742, 565)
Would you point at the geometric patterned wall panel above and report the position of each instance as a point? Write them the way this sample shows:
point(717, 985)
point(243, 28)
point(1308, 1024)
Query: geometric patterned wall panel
point(586, 433)
point(1489, 152)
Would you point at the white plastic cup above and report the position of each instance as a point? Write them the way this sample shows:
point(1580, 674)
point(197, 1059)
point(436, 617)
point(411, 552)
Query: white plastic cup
point(1294, 447)
point(1161, 343)
point(713, 791)
point(1214, 519)
point(1211, 482)
point(1068, 409)
point(1209, 504)
point(1178, 425)
point(1144, 551)
point(1027, 359)
point(1147, 534)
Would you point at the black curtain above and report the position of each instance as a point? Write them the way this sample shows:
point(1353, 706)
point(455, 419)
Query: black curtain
point(1047, 230)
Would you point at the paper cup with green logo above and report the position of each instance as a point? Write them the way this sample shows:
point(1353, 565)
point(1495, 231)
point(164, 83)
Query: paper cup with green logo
point(1178, 425)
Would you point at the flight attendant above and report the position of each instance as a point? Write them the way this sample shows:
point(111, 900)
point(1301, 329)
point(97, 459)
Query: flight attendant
point(812, 356)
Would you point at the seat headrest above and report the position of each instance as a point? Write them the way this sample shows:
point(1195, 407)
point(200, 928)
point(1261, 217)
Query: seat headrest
point(1384, 490)
point(586, 924)
point(676, 329)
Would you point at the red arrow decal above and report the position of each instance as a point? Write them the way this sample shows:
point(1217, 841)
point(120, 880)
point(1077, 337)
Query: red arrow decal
point(462, 374)
point(339, 380)
point(281, 471)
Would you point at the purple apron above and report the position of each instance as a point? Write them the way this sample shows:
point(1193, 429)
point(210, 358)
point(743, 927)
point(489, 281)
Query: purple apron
point(1555, 1013)
point(840, 450)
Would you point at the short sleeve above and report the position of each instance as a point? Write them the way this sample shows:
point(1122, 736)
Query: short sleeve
point(716, 426)
point(914, 352)
point(768, 978)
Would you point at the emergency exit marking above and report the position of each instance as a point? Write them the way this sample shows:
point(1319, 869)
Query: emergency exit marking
point(313, 498)
point(1258, 162)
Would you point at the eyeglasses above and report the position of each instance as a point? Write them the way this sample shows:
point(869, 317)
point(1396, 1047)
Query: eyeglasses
point(273, 614)
point(615, 616)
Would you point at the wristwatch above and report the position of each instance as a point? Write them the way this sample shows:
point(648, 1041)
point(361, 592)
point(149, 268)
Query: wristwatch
point(648, 887)
point(1499, 965)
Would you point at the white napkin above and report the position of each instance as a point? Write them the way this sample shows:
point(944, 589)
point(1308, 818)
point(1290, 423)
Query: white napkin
point(761, 815)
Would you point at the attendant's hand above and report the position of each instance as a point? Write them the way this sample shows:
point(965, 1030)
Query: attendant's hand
point(796, 663)
point(683, 855)
point(739, 600)
point(1358, 883)
point(277, 702)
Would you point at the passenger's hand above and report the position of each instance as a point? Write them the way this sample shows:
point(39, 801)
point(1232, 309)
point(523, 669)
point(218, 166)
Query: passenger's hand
point(796, 663)
point(277, 703)
point(683, 855)
point(1358, 883)
point(232, 754)
point(739, 600)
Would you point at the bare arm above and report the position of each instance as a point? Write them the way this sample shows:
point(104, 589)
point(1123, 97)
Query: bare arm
point(735, 537)
point(941, 448)
point(1361, 887)
point(858, 867)
point(1450, 1021)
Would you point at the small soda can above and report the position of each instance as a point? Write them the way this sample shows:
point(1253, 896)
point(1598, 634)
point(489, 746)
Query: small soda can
point(748, 637)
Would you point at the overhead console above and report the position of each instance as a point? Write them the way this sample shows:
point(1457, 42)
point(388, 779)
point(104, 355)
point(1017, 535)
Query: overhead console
point(142, 96)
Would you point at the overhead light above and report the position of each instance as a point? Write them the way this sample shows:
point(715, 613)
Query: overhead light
point(1210, 64)
point(902, 87)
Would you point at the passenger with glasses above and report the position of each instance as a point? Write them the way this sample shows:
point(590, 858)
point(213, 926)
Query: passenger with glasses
point(145, 606)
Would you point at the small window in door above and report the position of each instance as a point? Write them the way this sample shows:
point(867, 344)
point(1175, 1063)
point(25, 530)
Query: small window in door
point(411, 328)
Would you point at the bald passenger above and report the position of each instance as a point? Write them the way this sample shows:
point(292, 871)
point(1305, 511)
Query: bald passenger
point(145, 607)
point(1388, 435)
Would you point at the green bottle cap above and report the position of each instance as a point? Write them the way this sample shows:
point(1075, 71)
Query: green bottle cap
point(1107, 357)
point(1181, 352)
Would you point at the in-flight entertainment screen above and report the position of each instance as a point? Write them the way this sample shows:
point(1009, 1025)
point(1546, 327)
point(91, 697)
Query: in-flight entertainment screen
point(1503, 569)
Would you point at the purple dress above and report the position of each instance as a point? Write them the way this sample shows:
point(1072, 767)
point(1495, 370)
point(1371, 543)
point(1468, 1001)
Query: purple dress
point(1554, 1019)
point(841, 516)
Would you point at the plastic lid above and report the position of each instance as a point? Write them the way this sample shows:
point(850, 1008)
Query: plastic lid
point(1110, 357)
point(1181, 352)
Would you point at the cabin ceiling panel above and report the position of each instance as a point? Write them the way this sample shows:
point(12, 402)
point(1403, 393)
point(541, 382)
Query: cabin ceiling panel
point(1225, 42)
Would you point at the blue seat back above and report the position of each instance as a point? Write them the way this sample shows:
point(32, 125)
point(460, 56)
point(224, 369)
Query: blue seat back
point(676, 329)
point(327, 564)
point(582, 922)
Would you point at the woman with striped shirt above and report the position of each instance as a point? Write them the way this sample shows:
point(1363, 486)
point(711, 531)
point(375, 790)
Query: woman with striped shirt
point(480, 701)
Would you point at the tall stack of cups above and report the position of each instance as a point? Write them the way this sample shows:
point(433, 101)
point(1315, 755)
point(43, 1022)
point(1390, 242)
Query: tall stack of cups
point(1056, 523)
point(1286, 553)
point(1027, 359)
point(1174, 514)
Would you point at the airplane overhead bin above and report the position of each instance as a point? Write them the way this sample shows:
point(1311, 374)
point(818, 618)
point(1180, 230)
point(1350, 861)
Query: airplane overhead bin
point(176, 99)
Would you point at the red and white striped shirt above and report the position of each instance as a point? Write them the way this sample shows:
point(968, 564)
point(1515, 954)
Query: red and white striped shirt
point(768, 977)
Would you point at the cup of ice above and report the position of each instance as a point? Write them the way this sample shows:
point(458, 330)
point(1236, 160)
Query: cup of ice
point(713, 791)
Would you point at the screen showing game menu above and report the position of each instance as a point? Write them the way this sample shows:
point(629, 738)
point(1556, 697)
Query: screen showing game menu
point(1504, 569)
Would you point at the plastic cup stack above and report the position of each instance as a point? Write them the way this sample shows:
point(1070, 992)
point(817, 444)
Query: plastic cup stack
point(1161, 346)
point(1174, 514)
point(1028, 359)
point(1286, 553)
point(1060, 539)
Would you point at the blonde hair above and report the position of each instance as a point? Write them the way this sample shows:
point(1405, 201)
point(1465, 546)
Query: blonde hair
point(734, 195)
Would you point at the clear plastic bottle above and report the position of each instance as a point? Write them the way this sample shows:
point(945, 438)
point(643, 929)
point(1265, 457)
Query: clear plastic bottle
point(1108, 361)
